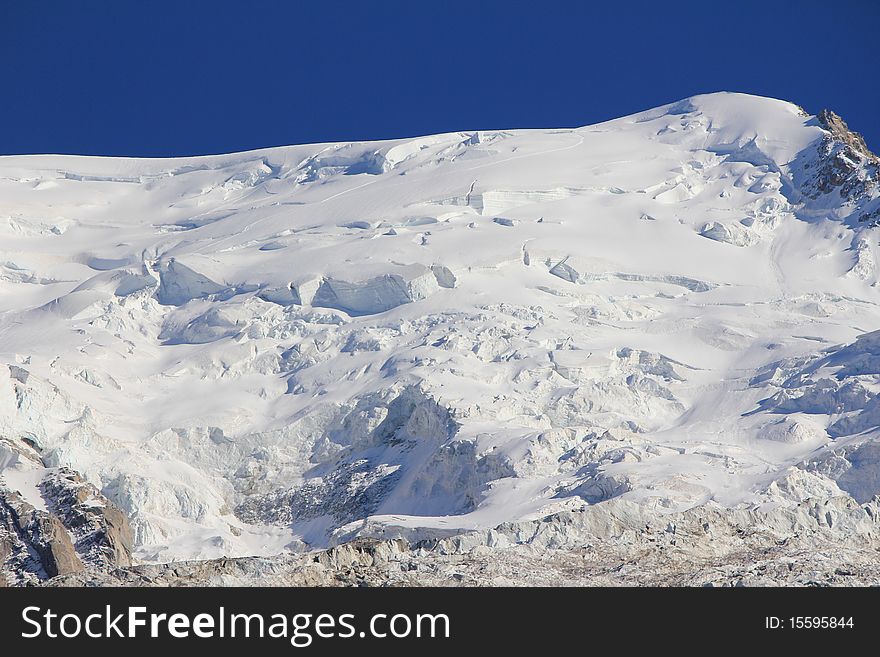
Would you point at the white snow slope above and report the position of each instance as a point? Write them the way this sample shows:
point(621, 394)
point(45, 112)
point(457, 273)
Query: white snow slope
point(282, 348)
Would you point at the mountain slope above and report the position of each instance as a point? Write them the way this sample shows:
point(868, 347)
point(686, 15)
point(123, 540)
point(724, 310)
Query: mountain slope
point(287, 348)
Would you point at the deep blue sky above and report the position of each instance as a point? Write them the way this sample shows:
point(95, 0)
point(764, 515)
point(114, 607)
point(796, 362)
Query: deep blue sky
point(189, 77)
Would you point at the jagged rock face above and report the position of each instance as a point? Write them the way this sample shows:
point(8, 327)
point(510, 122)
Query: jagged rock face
point(846, 166)
point(101, 531)
point(36, 544)
point(79, 529)
point(840, 131)
point(289, 349)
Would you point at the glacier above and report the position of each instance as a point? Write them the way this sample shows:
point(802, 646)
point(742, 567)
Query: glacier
point(295, 349)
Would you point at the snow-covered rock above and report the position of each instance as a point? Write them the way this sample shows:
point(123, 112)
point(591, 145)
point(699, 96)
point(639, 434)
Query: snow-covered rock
point(426, 338)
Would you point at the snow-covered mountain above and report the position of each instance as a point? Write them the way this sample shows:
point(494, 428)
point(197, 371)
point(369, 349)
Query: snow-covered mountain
point(289, 348)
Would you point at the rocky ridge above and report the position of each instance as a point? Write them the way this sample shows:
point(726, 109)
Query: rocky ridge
point(845, 166)
point(79, 530)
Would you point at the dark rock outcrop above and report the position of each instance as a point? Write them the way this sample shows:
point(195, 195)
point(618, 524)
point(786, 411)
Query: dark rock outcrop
point(846, 165)
point(840, 131)
point(101, 531)
point(36, 544)
point(80, 530)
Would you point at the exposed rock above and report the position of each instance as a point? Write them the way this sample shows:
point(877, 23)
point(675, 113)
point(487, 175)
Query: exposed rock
point(101, 531)
point(36, 543)
point(845, 165)
point(840, 131)
point(79, 529)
